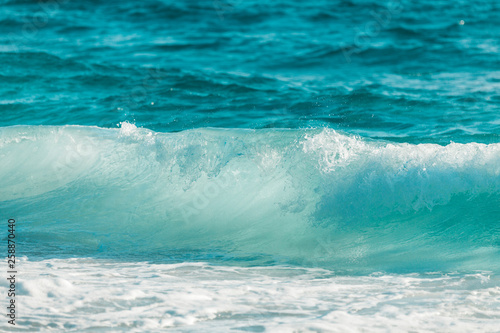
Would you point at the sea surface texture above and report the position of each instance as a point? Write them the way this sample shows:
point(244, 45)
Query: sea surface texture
point(252, 166)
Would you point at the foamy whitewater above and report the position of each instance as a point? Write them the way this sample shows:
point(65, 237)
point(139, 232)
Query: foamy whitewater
point(251, 166)
point(88, 295)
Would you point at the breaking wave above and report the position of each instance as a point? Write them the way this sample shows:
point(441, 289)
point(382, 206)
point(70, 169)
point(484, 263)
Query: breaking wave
point(311, 197)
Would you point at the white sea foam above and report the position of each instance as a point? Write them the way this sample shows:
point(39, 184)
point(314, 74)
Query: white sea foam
point(79, 295)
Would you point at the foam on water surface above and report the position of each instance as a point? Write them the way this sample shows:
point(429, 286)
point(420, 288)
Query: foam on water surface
point(89, 295)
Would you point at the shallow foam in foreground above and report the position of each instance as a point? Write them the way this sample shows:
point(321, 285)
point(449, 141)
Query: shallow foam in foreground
point(80, 295)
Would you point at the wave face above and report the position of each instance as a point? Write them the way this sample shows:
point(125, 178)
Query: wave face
point(312, 197)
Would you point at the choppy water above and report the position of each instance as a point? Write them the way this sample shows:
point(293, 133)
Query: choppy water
point(319, 146)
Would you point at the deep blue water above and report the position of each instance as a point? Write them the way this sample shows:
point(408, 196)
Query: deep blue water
point(352, 135)
point(405, 69)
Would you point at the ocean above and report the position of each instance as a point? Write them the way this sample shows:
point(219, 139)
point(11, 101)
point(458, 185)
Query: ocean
point(249, 166)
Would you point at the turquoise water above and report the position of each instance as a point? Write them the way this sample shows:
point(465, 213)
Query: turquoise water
point(350, 137)
point(400, 70)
